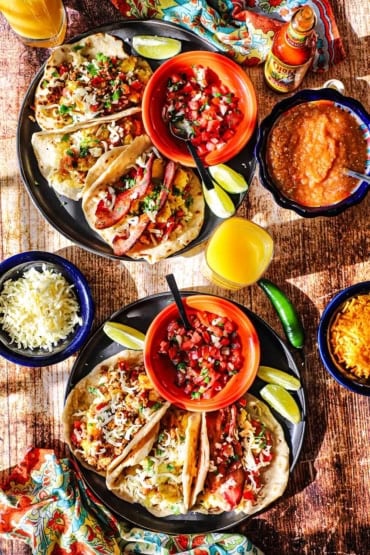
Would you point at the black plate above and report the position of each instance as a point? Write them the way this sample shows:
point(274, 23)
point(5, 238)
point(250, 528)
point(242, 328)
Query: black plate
point(66, 215)
point(139, 315)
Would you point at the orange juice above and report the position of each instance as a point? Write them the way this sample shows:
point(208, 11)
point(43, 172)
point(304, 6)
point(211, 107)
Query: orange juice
point(238, 253)
point(36, 22)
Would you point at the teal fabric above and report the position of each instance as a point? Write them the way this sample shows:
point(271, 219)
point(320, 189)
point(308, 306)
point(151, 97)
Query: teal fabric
point(46, 504)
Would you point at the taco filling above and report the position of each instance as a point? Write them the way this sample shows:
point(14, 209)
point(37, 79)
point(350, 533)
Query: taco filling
point(162, 480)
point(109, 411)
point(248, 459)
point(145, 206)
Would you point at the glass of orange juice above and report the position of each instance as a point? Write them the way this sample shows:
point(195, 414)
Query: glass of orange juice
point(40, 23)
point(237, 254)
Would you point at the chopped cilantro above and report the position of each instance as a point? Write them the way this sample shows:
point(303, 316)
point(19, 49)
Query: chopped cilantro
point(102, 57)
point(92, 69)
point(84, 151)
point(181, 366)
point(63, 109)
point(78, 47)
point(116, 95)
point(92, 390)
point(65, 138)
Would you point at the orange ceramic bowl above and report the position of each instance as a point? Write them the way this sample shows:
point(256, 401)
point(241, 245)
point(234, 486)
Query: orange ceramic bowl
point(230, 74)
point(161, 371)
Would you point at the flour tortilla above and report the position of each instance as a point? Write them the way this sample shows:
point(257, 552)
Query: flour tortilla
point(274, 477)
point(160, 475)
point(148, 247)
point(133, 423)
point(51, 149)
point(71, 96)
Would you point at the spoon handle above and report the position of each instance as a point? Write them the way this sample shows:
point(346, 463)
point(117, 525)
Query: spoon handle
point(206, 178)
point(358, 175)
point(178, 300)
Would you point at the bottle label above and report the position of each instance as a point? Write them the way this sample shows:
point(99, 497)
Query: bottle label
point(295, 39)
point(283, 77)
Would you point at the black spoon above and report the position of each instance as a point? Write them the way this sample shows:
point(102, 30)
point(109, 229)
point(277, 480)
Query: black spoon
point(180, 130)
point(178, 300)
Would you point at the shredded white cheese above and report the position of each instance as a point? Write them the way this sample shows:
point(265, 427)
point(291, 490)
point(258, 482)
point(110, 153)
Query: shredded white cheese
point(39, 309)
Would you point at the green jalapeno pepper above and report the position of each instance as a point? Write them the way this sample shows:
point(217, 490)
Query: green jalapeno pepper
point(286, 311)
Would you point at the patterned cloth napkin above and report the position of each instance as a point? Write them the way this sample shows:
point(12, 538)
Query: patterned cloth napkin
point(46, 504)
point(243, 29)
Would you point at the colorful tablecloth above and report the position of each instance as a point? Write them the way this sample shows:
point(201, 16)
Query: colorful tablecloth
point(46, 504)
point(243, 29)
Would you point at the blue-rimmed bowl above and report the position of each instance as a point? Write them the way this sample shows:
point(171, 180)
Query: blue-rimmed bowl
point(13, 268)
point(308, 95)
point(336, 370)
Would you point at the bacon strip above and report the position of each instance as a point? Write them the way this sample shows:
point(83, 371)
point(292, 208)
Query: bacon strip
point(123, 243)
point(107, 217)
point(225, 452)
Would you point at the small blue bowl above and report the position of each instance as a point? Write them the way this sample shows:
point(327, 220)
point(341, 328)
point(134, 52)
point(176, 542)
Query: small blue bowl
point(308, 95)
point(13, 268)
point(341, 375)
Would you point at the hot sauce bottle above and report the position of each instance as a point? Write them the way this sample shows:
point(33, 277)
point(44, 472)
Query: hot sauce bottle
point(292, 51)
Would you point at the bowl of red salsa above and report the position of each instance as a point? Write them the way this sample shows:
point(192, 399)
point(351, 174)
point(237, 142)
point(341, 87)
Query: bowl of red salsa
point(209, 366)
point(211, 96)
point(305, 144)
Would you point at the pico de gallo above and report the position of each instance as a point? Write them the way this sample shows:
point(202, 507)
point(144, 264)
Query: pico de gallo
point(207, 356)
point(198, 101)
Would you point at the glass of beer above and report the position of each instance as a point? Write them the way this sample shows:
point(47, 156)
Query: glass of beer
point(40, 23)
point(237, 254)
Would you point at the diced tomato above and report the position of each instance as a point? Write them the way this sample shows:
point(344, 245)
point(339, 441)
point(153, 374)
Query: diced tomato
point(206, 104)
point(203, 356)
point(248, 495)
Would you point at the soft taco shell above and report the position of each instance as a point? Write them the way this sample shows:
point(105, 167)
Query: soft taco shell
point(72, 96)
point(160, 478)
point(148, 246)
point(273, 477)
point(89, 144)
point(136, 407)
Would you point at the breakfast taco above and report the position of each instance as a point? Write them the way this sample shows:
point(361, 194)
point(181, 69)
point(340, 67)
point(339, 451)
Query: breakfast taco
point(111, 411)
point(161, 479)
point(245, 459)
point(91, 78)
point(67, 158)
point(144, 206)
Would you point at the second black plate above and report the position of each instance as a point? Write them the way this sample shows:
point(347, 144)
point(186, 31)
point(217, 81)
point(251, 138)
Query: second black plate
point(139, 315)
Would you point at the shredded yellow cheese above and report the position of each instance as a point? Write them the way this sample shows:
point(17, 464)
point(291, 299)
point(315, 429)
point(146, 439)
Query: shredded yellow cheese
point(350, 336)
point(39, 309)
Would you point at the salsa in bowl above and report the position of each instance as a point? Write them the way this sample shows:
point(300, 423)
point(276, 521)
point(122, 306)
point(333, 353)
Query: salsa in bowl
point(305, 146)
point(209, 366)
point(211, 96)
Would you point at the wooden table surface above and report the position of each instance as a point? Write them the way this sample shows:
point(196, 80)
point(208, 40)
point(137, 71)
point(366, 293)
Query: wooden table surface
point(326, 508)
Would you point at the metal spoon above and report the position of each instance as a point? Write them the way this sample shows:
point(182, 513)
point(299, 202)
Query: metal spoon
point(183, 131)
point(178, 300)
point(357, 175)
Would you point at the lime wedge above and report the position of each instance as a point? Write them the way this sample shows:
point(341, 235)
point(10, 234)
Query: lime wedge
point(282, 401)
point(219, 202)
point(156, 48)
point(125, 335)
point(229, 179)
point(273, 375)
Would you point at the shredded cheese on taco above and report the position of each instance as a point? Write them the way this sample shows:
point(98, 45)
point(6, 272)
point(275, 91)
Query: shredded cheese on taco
point(350, 336)
point(122, 401)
